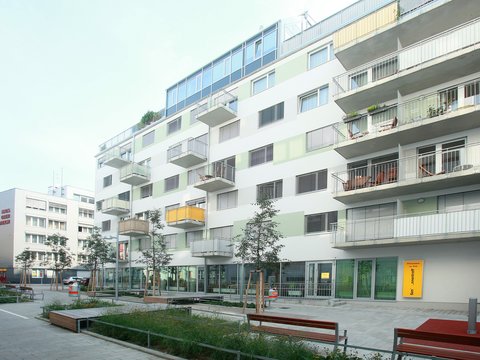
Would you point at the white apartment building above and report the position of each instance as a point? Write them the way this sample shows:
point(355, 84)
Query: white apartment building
point(28, 218)
point(364, 128)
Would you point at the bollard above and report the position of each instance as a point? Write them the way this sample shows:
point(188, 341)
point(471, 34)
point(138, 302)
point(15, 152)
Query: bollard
point(472, 316)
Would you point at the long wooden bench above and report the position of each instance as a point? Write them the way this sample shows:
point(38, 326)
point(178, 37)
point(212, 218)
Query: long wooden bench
point(435, 344)
point(334, 338)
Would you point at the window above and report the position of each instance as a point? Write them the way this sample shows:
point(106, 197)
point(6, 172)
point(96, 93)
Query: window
point(36, 221)
point(320, 222)
point(271, 190)
point(99, 205)
point(146, 191)
point(142, 215)
point(85, 229)
point(171, 183)
point(459, 201)
point(200, 203)
point(312, 182)
point(193, 236)
point(270, 115)
point(35, 238)
point(57, 208)
point(145, 162)
point(148, 138)
point(36, 204)
point(174, 125)
point(57, 225)
point(263, 83)
point(358, 80)
point(224, 233)
point(314, 99)
point(107, 181)
point(227, 200)
point(106, 225)
point(261, 155)
point(171, 241)
point(229, 131)
point(83, 198)
point(101, 162)
point(125, 196)
point(472, 89)
point(321, 56)
point(320, 138)
point(85, 213)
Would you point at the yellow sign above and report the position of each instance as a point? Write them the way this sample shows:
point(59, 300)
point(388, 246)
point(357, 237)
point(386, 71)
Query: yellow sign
point(325, 275)
point(412, 278)
point(3, 270)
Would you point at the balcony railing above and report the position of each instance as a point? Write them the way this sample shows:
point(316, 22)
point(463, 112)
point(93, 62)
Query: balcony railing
point(185, 217)
point(452, 161)
point(135, 174)
point(187, 153)
point(219, 108)
point(438, 46)
point(115, 206)
point(117, 158)
point(133, 227)
point(437, 225)
point(214, 177)
point(212, 248)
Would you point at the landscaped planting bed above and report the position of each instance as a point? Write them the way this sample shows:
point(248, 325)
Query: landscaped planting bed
point(77, 304)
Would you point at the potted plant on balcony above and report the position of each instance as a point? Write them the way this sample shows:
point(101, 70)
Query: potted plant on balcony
point(373, 109)
point(352, 116)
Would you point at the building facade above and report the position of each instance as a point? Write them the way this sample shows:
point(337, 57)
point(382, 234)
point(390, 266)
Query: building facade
point(29, 217)
point(364, 129)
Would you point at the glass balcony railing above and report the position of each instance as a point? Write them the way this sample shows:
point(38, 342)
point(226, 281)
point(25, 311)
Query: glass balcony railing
point(135, 174)
point(212, 248)
point(115, 206)
point(188, 153)
point(438, 46)
point(217, 109)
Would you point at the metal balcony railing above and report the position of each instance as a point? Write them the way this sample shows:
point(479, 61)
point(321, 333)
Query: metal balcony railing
point(118, 153)
point(190, 145)
point(445, 161)
point(215, 170)
point(438, 223)
point(438, 46)
point(114, 203)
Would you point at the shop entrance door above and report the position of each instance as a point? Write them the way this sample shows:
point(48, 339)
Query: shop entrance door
point(319, 279)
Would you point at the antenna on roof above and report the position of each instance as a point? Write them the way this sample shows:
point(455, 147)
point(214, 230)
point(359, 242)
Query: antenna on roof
point(308, 19)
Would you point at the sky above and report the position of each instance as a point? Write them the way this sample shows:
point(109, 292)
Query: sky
point(74, 73)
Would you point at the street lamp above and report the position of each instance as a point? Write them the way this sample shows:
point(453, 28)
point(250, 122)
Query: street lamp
point(116, 262)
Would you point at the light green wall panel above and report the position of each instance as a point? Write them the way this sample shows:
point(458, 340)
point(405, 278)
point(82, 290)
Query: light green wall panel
point(291, 69)
point(291, 224)
point(243, 91)
point(158, 188)
point(241, 161)
point(181, 241)
point(413, 207)
point(138, 143)
point(136, 194)
point(289, 149)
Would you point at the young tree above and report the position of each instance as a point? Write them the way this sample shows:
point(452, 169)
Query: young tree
point(156, 256)
point(61, 258)
point(25, 259)
point(98, 253)
point(259, 243)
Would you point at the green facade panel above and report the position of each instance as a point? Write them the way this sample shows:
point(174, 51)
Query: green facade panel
point(290, 224)
point(289, 149)
point(291, 68)
point(243, 91)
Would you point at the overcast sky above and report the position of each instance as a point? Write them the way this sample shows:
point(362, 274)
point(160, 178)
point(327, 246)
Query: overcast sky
point(74, 73)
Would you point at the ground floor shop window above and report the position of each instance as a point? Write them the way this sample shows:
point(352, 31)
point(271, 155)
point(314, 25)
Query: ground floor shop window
point(386, 279)
point(344, 279)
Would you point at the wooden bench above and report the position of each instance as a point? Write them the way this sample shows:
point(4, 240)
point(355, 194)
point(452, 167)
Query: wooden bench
point(27, 290)
point(435, 345)
point(334, 338)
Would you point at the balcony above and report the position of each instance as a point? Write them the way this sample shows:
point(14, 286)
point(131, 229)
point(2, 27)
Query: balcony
point(218, 109)
point(379, 33)
point(133, 227)
point(135, 174)
point(432, 171)
point(212, 248)
point(408, 229)
point(118, 157)
point(425, 117)
point(187, 153)
point(115, 206)
point(186, 217)
point(444, 57)
point(218, 176)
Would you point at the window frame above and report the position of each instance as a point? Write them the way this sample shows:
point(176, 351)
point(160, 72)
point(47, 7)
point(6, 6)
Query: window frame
point(278, 114)
point(146, 191)
point(329, 216)
point(269, 82)
point(266, 158)
point(107, 181)
point(174, 125)
point(275, 184)
point(317, 93)
point(317, 178)
point(148, 138)
point(228, 129)
point(324, 144)
point(227, 193)
point(329, 50)
point(176, 179)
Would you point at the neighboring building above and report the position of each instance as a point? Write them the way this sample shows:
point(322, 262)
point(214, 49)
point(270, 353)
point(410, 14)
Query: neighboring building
point(28, 218)
point(379, 204)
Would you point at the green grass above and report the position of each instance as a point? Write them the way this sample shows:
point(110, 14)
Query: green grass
point(9, 297)
point(77, 304)
point(193, 329)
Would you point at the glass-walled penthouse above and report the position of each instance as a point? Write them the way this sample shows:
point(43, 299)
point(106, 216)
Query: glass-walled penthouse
point(241, 61)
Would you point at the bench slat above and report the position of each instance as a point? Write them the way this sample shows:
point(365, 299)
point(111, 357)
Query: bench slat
point(438, 337)
point(297, 333)
point(439, 352)
point(293, 321)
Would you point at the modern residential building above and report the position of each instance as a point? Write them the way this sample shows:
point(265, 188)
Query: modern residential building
point(365, 129)
point(28, 218)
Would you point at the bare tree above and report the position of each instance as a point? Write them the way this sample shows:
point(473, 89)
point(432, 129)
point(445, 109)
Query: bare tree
point(25, 259)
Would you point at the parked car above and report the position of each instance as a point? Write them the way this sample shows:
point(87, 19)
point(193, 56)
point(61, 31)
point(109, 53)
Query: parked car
point(70, 280)
point(85, 281)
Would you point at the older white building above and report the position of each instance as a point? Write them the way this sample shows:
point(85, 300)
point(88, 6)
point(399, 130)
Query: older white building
point(364, 127)
point(28, 218)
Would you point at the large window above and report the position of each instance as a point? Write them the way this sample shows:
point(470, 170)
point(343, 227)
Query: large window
point(459, 201)
point(35, 238)
point(193, 236)
point(320, 138)
point(270, 190)
point(224, 232)
point(320, 222)
point(36, 204)
point(36, 221)
point(85, 213)
point(312, 182)
point(229, 131)
point(270, 115)
point(171, 183)
point(148, 138)
point(174, 125)
point(261, 155)
point(263, 83)
point(57, 208)
point(146, 191)
point(227, 200)
point(107, 181)
point(57, 225)
point(106, 225)
point(385, 278)
point(171, 241)
point(314, 99)
point(321, 56)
